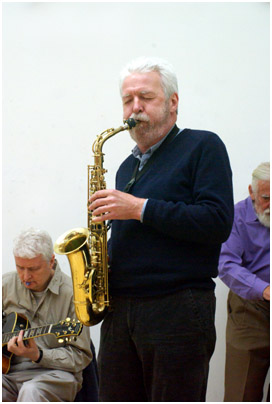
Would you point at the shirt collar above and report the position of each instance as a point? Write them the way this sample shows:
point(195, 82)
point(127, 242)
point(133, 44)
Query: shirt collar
point(138, 154)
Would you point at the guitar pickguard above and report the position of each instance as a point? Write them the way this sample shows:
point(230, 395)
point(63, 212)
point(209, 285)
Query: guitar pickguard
point(13, 322)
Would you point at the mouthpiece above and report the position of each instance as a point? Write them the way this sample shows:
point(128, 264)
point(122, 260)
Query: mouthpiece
point(131, 122)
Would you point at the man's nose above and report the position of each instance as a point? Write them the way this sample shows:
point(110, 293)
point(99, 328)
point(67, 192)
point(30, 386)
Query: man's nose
point(27, 275)
point(137, 106)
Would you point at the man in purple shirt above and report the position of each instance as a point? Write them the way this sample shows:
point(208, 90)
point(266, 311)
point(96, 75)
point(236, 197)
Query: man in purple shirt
point(244, 266)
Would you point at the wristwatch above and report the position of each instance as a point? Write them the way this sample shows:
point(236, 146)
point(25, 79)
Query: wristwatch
point(40, 357)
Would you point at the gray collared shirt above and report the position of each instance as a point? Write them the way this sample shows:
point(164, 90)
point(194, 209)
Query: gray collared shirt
point(55, 304)
point(146, 156)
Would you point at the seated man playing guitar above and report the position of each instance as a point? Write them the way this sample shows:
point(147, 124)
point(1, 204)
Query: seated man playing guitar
point(48, 368)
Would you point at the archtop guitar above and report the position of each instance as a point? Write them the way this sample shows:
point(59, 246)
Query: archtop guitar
point(14, 322)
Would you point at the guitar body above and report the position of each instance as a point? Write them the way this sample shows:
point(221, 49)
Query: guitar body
point(12, 323)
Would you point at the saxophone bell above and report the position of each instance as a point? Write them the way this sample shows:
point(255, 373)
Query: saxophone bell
point(74, 244)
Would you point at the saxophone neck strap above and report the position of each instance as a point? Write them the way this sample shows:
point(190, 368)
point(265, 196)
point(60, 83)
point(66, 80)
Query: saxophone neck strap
point(138, 174)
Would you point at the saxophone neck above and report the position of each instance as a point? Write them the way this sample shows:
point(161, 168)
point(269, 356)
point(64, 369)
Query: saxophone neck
point(108, 133)
point(101, 139)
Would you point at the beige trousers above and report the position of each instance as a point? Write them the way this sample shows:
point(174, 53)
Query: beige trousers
point(247, 349)
point(37, 385)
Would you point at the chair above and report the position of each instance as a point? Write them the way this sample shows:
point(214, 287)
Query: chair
point(89, 390)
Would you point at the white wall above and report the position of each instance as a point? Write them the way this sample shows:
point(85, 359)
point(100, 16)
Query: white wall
point(60, 89)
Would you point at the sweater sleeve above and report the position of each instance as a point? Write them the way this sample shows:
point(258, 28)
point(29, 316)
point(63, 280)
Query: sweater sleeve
point(208, 219)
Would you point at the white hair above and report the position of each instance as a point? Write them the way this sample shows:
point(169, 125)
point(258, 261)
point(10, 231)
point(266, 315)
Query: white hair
point(146, 65)
point(262, 172)
point(33, 242)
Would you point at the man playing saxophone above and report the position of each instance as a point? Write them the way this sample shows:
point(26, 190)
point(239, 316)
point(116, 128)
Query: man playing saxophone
point(171, 210)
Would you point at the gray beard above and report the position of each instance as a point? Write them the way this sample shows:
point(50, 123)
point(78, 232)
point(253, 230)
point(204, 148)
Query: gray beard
point(264, 219)
point(145, 136)
point(148, 133)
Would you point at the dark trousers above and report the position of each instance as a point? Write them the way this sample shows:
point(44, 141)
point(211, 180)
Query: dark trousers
point(157, 349)
point(247, 349)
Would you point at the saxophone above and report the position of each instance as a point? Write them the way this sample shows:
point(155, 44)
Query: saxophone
point(86, 248)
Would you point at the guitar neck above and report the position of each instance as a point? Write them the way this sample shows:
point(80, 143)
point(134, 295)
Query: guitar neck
point(29, 333)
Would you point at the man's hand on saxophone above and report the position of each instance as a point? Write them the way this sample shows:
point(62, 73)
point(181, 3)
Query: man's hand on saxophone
point(113, 204)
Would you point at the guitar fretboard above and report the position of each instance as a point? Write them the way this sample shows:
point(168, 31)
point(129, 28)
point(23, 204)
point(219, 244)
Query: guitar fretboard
point(29, 333)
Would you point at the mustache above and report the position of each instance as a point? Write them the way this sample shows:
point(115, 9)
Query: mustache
point(267, 211)
point(140, 117)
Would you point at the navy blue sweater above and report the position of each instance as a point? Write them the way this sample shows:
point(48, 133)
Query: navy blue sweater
point(188, 215)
